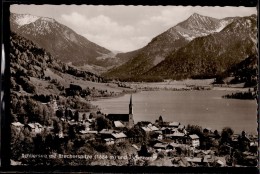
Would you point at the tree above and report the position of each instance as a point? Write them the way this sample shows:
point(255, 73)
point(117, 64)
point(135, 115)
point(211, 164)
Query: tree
point(59, 113)
point(38, 144)
point(76, 116)
point(13, 117)
point(72, 132)
point(20, 107)
point(32, 109)
point(195, 129)
point(46, 114)
point(27, 145)
point(66, 114)
point(92, 115)
point(15, 140)
point(49, 142)
point(137, 134)
point(153, 135)
point(57, 126)
point(160, 119)
point(243, 142)
point(216, 134)
point(144, 151)
point(84, 117)
point(103, 123)
point(70, 114)
point(226, 134)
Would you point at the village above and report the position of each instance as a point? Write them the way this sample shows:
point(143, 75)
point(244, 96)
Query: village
point(160, 143)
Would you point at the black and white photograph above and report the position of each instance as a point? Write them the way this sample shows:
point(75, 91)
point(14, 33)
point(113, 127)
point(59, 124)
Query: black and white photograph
point(116, 85)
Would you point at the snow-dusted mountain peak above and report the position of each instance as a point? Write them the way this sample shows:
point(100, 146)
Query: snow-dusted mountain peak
point(48, 19)
point(23, 19)
point(196, 15)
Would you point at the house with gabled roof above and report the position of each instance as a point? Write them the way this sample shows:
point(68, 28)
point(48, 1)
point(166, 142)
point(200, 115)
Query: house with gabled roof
point(181, 127)
point(118, 124)
point(109, 141)
point(163, 146)
point(152, 127)
point(194, 140)
point(174, 124)
point(35, 127)
point(106, 133)
point(146, 129)
point(18, 125)
point(119, 137)
point(176, 136)
point(88, 132)
point(194, 160)
point(167, 130)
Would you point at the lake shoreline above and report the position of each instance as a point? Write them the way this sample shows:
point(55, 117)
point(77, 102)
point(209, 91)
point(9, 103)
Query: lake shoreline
point(203, 113)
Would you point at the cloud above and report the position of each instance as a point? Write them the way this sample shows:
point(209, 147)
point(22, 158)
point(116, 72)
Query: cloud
point(124, 44)
point(168, 17)
point(111, 34)
point(126, 28)
point(102, 30)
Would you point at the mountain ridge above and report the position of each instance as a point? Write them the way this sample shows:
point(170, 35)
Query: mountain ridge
point(169, 41)
point(212, 54)
point(66, 44)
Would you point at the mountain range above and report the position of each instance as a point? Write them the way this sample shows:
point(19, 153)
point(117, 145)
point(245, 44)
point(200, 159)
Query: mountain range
point(213, 54)
point(199, 47)
point(61, 41)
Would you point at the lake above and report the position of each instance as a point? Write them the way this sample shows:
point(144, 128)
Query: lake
point(205, 108)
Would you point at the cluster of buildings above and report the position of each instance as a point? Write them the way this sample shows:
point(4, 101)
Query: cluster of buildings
point(168, 137)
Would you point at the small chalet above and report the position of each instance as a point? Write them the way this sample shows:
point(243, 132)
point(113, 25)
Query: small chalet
point(118, 124)
point(194, 160)
point(88, 132)
point(87, 126)
point(194, 140)
point(163, 146)
point(106, 133)
point(234, 139)
point(109, 141)
point(174, 124)
point(181, 127)
point(90, 120)
point(177, 136)
point(208, 159)
point(160, 137)
point(152, 127)
point(146, 129)
point(35, 127)
point(154, 141)
point(208, 129)
point(135, 146)
point(119, 137)
point(60, 134)
point(166, 130)
point(81, 116)
point(18, 125)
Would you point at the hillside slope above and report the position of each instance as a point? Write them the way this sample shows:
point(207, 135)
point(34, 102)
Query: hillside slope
point(213, 54)
point(62, 42)
point(35, 71)
point(166, 43)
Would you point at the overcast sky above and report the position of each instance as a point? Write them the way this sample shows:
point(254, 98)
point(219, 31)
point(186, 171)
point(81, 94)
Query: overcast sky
point(124, 28)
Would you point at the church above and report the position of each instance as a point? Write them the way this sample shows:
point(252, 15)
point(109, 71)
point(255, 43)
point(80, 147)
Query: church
point(126, 119)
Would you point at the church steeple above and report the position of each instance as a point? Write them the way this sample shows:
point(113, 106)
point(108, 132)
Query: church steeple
point(131, 105)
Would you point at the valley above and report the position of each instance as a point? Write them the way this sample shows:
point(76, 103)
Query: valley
point(69, 97)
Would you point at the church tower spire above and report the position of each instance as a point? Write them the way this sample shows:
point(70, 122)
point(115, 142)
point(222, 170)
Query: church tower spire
point(131, 105)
